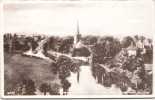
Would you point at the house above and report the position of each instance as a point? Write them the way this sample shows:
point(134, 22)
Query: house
point(132, 50)
point(140, 44)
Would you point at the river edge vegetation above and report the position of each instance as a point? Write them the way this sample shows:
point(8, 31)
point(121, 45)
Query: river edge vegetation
point(124, 63)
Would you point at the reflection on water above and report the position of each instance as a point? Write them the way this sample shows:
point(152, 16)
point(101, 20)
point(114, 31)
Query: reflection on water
point(87, 85)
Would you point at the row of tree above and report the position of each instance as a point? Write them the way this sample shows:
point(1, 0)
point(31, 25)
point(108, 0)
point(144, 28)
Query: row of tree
point(107, 50)
point(63, 68)
point(126, 71)
point(106, 45)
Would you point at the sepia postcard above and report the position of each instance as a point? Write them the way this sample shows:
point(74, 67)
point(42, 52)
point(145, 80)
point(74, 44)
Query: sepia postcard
point(77, 49)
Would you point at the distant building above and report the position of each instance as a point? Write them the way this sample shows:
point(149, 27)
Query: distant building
point(148, 44)
point(79, 49)
point(140, 44)
point(132, 50)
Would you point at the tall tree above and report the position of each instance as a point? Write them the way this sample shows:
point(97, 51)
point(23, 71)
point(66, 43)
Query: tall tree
point(44, 87)
point(126, 42)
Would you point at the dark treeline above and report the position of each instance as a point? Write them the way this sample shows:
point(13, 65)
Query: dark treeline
point(108, 46)
point(126, 59)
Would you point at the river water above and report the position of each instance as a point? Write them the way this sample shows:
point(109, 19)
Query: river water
point(87, 85)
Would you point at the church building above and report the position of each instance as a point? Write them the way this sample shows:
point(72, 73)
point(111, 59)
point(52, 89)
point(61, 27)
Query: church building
point(79, 49)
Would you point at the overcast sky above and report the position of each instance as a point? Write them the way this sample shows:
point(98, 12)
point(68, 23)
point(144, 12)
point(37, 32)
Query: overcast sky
point(110, 17)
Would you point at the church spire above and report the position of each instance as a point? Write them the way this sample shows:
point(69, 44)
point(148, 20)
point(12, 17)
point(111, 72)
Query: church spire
point(78, 35)
point(78, 31)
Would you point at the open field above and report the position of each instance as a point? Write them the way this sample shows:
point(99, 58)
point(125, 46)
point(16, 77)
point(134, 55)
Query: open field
point(18, 67)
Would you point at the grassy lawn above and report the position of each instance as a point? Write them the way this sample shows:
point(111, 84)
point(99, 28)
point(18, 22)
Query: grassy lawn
point(18, 67)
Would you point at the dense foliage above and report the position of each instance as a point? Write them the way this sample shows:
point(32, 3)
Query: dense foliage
point(109, 59)
point(63, 67)
point(106, 47)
